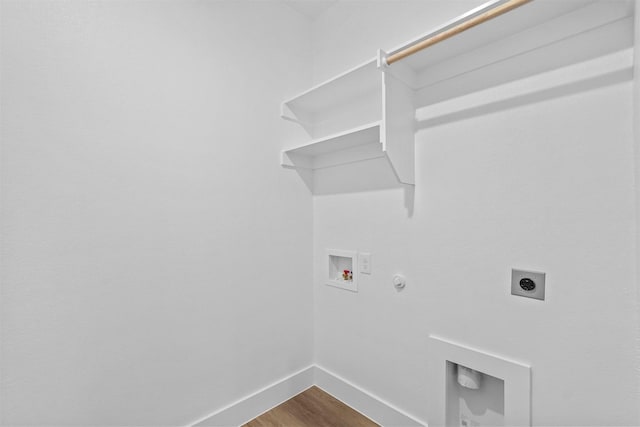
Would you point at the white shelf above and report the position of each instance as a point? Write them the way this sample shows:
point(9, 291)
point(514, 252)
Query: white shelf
point(351, 118)
point(348, 100)
point(333, 93)
point(356, 144)
point(537, 37)
point(608, 69)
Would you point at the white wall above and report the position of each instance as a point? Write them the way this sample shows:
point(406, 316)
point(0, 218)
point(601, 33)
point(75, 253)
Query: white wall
point(155, 255)
point(547, 186)
point(636, 115)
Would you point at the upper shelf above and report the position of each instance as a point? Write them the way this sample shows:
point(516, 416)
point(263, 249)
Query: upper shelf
point(334, 92)
point(539, 36)
point(347, 100)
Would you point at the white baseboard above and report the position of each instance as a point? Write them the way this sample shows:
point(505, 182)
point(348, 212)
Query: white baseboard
point(248, 408)
point(254, 405)
point(362, 401)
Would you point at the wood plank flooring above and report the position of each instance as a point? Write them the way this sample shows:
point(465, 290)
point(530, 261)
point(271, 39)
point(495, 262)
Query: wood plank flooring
point(312, 408)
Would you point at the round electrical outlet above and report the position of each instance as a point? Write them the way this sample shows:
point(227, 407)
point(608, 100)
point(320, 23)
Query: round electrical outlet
point(527, 284)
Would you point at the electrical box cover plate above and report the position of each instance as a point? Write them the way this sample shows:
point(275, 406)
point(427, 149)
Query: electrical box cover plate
point(528, 284)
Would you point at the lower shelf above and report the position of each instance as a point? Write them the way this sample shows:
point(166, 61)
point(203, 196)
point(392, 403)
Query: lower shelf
point(361, 143)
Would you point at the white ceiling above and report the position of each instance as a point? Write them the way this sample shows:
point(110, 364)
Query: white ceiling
point(310, 8)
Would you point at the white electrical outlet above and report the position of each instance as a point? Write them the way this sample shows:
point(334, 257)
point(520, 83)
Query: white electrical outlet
point(365, 262)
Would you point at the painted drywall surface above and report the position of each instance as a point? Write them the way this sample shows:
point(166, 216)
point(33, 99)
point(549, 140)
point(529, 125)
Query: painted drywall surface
point(636, 115)
point(492, 192)
point(351, 32)
point(153, 249)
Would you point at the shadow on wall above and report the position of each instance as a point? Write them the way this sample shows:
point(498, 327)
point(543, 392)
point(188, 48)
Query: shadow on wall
point(437, 114)
point(358, 177)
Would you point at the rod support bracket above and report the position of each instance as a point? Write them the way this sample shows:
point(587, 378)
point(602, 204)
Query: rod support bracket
point(382, 60)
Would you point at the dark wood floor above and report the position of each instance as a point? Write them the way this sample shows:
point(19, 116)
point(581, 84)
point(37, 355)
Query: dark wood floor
point(312, 408)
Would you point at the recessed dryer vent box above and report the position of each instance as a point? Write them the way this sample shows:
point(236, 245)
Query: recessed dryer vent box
point(342, 269)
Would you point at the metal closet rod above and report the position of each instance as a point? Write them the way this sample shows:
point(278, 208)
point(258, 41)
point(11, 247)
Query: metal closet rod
point(463, 26)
